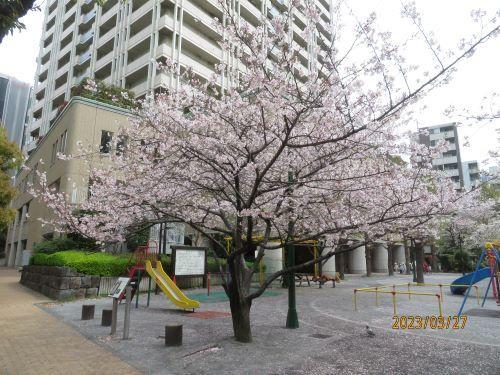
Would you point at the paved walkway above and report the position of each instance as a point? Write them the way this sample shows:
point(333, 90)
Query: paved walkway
point(34, 342)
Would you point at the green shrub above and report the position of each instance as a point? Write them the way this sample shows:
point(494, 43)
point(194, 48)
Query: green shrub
point(90, 263)
point(55, 245)
point(98, 90)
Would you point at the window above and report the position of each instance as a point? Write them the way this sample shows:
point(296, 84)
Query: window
point(53, 157)
point(62, 142)
point(106, 138)
point(55, 186)
point(121, 145)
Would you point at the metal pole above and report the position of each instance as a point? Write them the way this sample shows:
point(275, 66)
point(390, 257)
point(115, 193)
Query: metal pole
point(137, 288)
point(355, 301)
point(409, 295)
point(376, 296)
point(394, 301)
point(440, 306)
point(149, 290)
point(441, 292)
point(128, 302)
point(208, 283)
point(114, 316)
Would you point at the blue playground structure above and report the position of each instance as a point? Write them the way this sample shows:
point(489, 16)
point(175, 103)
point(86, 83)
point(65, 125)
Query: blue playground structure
point(490, 253)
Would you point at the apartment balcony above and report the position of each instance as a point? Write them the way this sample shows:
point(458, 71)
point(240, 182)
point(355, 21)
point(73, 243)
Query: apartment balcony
point(69, 13)
point(200, 69)
point(77, 79)
point(86, 38)
point(31, 146)
point(103, 39)
point(66, 32)
point(451, 172)
point(141, 11)
point(38, 105)
point(65, 50)
point(62, 70)
point(139, 37)
point(104, 60)
point(138, 63)
point(163, 50)
point(61, 90)
point(36, 124)
point(41, 86)
point(85, 18)
point(109, 13)
point(200, 14)
point(445, 160)
point(200, 41)
point(84, 58)
point(251, 8)
point(139, 88)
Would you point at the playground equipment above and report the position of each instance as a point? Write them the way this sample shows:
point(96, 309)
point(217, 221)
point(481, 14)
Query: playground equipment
point(457, 287)
point(490, 253)
point(381, 290)
point(169, 288)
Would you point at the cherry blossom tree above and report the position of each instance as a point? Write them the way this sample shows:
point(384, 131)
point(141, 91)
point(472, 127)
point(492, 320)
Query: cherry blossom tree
point(292, 150)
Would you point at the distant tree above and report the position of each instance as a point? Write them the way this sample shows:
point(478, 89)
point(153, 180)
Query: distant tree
point(10, 159)
point(10, 13)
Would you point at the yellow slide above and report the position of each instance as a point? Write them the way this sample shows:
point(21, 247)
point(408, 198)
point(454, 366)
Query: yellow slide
point(169, 288)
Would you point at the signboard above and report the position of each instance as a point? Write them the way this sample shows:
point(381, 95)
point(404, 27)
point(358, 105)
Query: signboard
point(189, 261)
point(117, 289)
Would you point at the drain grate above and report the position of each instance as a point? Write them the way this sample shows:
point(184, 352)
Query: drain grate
point(486, 313)
point(320, 336)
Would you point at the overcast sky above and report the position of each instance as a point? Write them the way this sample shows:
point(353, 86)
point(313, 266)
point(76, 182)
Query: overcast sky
point(449, 19)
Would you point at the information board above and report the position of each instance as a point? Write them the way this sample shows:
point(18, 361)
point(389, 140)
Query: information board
point(120, 285)
point(189, 261)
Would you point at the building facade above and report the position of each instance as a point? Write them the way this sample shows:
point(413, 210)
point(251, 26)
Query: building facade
point(120, 41)
point(82, 120)
point(450, 161)
point(14, 106)
point(470, 171)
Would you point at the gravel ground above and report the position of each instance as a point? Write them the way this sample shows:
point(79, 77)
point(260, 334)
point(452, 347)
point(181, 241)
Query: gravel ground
point(331, 338)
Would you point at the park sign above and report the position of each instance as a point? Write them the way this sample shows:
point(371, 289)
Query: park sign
point(189, 260)
point(120, 285)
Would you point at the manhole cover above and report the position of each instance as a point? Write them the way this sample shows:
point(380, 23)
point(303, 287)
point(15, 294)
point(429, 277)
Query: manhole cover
point(320, 336)
point(208, 314)
point(484, 313)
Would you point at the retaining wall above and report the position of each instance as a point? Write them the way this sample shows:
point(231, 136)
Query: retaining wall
point(59, 283)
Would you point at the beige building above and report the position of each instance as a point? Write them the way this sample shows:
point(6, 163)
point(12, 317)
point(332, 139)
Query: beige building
point(92, 123)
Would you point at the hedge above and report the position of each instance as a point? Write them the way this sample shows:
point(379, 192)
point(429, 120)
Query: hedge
point(90, 263)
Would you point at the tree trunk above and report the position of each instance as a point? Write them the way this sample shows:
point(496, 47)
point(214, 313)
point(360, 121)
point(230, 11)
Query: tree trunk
point(433, 257)
point(342, 265)
point(390, 259)
point(240, 313)
point(407, 256)
point(419, 257)
point(368, 257)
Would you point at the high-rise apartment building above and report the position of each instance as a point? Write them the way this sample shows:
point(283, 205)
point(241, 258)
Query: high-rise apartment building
point(14, 104)
point(449, 161)
point(119, 42)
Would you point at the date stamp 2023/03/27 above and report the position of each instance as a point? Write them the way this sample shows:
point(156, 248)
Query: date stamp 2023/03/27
point(428, 322)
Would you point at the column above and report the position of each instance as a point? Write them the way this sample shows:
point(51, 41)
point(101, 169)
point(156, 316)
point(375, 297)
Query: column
point(12, 252)
point(357, 261)
point(380, 257)
point(399, 253)
point(329, 267)
point(19, 250)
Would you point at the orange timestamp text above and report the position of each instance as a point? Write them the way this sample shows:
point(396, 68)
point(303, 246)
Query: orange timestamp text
point(428, 321)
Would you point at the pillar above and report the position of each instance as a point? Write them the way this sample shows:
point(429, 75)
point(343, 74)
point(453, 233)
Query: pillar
point(12, 252)
point(329, 267)
point(380, 257)
point(399, 254)
point(273, 260)
point(19, 250)
point(357, 261)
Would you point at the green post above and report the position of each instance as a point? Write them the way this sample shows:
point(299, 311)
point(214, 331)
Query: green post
point(149, 289)
point(137, 289)
point(292, 320)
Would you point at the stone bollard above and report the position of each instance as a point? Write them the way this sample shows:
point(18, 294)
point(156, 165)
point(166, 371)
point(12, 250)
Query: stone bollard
point(88, 312)
point(107, 316)
point(173, 335)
